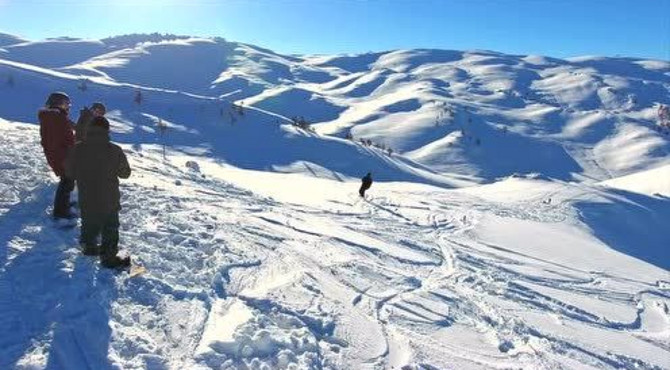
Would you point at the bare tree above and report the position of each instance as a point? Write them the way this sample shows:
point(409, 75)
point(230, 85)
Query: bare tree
point(138, 97)
point(664, 116)
point(162, 129)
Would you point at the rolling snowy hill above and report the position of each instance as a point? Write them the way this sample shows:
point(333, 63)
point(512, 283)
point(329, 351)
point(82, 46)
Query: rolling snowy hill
point(475, 113)
point(519, 221)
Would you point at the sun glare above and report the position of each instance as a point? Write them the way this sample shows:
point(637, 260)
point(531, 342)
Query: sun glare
point(157, 4)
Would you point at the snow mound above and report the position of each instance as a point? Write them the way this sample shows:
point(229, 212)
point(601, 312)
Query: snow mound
point(652, 182)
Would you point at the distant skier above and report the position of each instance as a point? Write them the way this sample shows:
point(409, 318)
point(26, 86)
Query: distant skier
point(97, 164)
point(57, 139)
point(366, 182)
point(86, 116)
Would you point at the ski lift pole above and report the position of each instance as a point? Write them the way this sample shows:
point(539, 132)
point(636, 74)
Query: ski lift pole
point(162, 127)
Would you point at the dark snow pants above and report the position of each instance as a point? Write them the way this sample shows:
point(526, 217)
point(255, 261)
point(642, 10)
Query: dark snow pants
point(93, 225)
point(62, 199)
point(362, 190)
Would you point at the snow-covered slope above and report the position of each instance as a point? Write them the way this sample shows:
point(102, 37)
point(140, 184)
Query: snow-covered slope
point(7, 39)
point(655, 182)
point(266, 257)
point(54, 53)
point(474, 113)
point(258, 139)
point(252, 269)
point(481, 113)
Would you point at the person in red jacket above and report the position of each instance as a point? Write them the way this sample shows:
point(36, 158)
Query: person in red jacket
point(57, 137)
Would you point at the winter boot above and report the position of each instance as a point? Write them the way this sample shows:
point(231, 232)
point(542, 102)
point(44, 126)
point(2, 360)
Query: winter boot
point(115, 262)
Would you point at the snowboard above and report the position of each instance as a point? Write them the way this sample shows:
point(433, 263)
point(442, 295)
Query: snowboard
point(136, 270)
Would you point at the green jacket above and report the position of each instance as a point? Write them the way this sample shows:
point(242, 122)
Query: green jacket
point(97, 164)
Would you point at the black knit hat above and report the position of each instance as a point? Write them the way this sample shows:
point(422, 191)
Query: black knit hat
point(99, 105)
point(100, 122)
point(57, 98)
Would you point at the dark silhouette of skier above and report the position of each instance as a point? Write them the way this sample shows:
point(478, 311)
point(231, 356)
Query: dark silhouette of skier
point(97, 164)
point(366, 182)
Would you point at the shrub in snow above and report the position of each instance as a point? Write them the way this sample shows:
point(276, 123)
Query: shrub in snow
point(162, 126)
point(138, 97)
point(302, 123)
point(193, 166)
point(239, 109)
point(177, 182)
point(664, 116)
point(83, 85)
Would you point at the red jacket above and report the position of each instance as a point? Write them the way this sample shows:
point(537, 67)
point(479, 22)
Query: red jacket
point(57, 137)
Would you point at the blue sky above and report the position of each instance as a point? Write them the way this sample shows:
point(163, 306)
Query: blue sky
point(560, 28)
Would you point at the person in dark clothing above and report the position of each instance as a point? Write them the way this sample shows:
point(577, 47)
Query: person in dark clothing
point(97, 164)
point(57, 139)
point(86, 116)
point(366, 182)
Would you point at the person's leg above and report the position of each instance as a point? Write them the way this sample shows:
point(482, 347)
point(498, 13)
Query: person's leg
point(62, 199)
point(361, 191)
point(91, 227)
point(110, 243)
point(110, 235)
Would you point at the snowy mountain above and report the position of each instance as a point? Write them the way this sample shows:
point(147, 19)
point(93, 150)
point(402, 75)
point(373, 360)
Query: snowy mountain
point(474, 113)
point(517, 221)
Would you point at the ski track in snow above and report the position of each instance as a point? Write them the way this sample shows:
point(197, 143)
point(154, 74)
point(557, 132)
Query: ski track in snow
point(240, 280)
